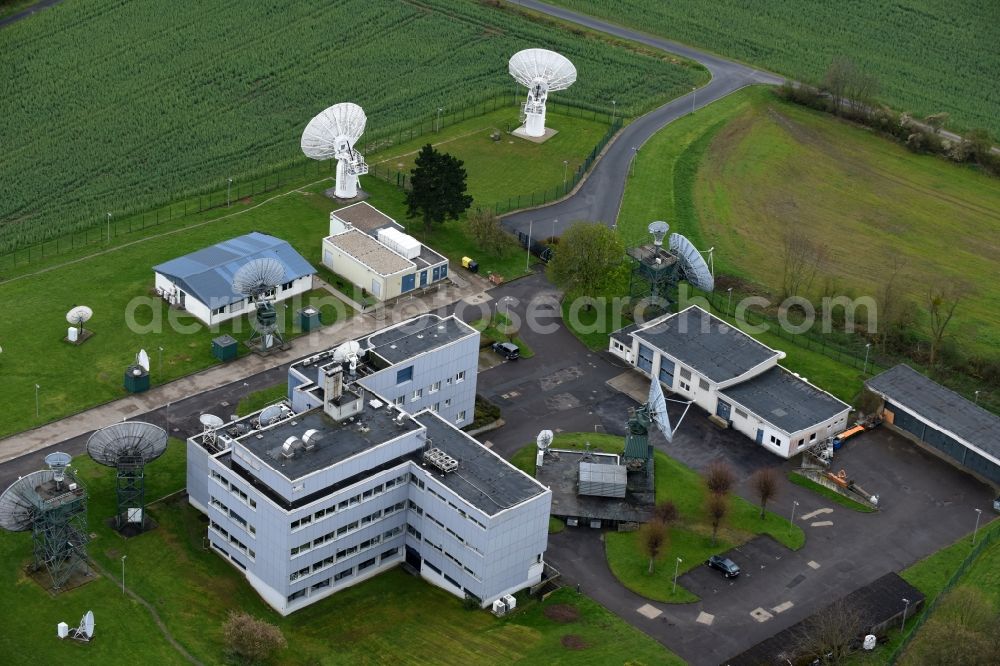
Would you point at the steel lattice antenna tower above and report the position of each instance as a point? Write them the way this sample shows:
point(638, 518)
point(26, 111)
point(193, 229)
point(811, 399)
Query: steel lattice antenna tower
point(127, 447)
point(257, 280)
point(53, 505)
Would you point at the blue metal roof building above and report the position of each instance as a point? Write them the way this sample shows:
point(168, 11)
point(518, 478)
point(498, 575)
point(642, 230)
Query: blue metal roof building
point(206, 276)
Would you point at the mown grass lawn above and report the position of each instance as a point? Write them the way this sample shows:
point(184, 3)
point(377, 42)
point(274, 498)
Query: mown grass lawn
point(392, 618)
point(690, 537)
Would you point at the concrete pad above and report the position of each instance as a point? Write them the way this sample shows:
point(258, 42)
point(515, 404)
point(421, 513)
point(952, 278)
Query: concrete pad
point(760, 615)
point(549, 133)
point(813, 564)
point(632, 384)
point(822, 523)
point(705, 618)
point(817, 512)
point(650, 611)
point(781, 608)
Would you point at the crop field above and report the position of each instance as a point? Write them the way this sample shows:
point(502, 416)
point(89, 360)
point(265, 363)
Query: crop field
point(392, 618)
point(928, 56)
point(121, 106)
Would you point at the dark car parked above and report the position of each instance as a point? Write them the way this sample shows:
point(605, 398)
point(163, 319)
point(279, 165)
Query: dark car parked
point(728, 568)
point(507, 349)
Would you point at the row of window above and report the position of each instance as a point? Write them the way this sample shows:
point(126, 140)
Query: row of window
point(344, 554)
point(233, 540)
point(347, 529)
point(239, 494)
point(441, 573)
point(416, 535)
point(452, 505)
point(404, 375)
point(392, 552)
point(351, 501)
point(241, 305)
point(451, 532)
point(235, 517)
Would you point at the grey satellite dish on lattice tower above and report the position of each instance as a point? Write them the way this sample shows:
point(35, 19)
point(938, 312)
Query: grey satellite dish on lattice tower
point(541, 71)
point(692, 264)
point(56, 513)
point(128, 447)
point(257, 280)
point(332, 135)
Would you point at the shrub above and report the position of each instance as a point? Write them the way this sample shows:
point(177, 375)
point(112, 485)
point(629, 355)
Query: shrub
point(251, 640)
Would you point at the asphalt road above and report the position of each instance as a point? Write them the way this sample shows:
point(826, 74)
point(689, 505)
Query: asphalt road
point(598, 199)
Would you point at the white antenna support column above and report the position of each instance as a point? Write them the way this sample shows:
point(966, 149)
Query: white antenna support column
point(534, 122)
point(347, 182)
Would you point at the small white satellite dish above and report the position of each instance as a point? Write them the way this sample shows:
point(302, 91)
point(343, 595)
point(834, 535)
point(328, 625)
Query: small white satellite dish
point(349, 351)
point(79, 315)
point(332, 135)
point(211, 421)
point(86, 629)
point(271, 414)
point(541, 71)
point(142, 359)
point(544, 440)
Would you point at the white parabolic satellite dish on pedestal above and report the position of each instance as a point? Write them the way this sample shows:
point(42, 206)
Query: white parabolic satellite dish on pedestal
point(693, 265)
point(79, 315)
point(332, 135)
point(540, 71)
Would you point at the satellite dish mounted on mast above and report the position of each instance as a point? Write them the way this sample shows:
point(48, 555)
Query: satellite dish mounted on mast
point(541, 71)
point(257, 281)
point(332, 135)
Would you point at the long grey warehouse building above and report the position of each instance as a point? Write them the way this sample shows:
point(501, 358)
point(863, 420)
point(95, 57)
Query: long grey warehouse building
point(322, 492)
point(956, 428)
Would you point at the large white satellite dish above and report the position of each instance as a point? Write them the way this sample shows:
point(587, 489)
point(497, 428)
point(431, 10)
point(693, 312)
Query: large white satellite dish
point(657, 406)
point(211, 421)
point(693, 265)
point(540, 71)
point(332, 135)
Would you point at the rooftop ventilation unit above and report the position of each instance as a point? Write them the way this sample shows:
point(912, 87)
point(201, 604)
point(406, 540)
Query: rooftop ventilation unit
point(441, 460)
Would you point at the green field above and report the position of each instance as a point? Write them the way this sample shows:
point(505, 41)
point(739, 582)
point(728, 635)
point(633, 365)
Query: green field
point(392, 618)
point(120, 106)
point(690, 538)
point(928, 56)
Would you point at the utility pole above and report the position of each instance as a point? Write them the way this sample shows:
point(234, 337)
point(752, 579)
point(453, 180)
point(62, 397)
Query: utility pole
point(229, 189)
point(109, 227)
point(694, 96)
point(677, 565)
point(123, 574)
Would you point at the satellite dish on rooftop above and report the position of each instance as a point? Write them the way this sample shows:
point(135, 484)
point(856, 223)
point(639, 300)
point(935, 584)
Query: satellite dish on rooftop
point(142, 360)
point(271, 414)
point(332, 135)
point(128, 446)
point(211, 421)
point(693, 265)
point(58, 462)
point(79, 315)
point(659, 230)
point(350, 351)
point(540, 71)
point(544, 440)
point(18, 509)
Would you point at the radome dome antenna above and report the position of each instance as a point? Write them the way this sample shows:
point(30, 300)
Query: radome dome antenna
point(257, 281)
point(693, 265)
point(541, 71)
point(332, 135)
point(659, 230)
point(127, 447)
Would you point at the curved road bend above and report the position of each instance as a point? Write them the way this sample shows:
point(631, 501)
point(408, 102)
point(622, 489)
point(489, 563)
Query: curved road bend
point(599, 198)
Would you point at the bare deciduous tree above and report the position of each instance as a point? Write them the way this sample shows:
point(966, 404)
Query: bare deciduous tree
point(802, 259)
point(828, 635)
point(489, 233)
point(718, 507)
point(964, 617)
point(765, 485)
point(250, 639)
point(652, 538)
point(666, 512)
point(941, 304)
point(719, 478)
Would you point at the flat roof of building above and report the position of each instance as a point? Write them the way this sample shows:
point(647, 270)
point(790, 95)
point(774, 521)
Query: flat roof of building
point(416, 336)
point(365, 217)
point(370, 252)
point(784, 400)
point(483, 479)
point(338, 442)
point(940, 406)
point(707, 344)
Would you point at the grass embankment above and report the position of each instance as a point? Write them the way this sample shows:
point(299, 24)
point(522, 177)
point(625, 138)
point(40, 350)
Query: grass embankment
point(831, 495)
point(499, 329)
point(690, 538)
point(392, 618)
point(916, 69)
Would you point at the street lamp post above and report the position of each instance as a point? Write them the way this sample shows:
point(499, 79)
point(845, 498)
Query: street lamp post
point(694, 96)
point(794, 505)
point(109, 227)
point(677, 565)
point(229, 189)
point(565, 168)
point(437, 123)
point(868, 348)
point(123, 573)
point(614, 109)
point(554, 220)
point(905, 608)
point(635, 153)
point(729, 305)
point(527, 258)
point(161, 364)
point(36, 400)
point(979, 514)
point(977, 397)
